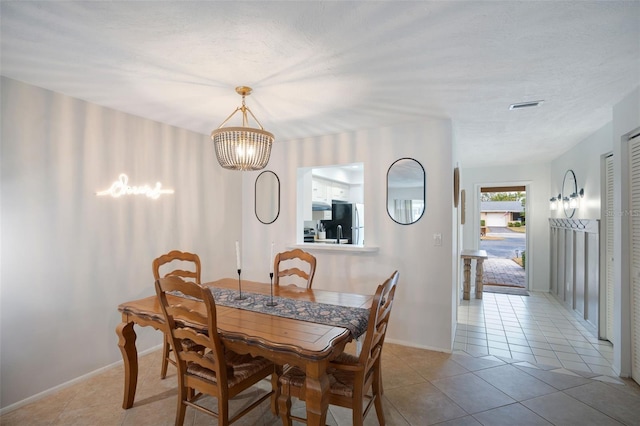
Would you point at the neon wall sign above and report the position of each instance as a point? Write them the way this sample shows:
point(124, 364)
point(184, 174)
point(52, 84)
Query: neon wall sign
point(121, 187)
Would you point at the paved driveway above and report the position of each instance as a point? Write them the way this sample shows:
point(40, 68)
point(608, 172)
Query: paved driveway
point(507, 244)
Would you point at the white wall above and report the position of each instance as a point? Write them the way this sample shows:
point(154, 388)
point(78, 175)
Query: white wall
point(584, 159)
point(69, 257)
point(423, 307)
point(536, 178)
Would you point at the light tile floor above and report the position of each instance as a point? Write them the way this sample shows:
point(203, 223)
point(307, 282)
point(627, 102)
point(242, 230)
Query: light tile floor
point(536, 329)
point(492, 378)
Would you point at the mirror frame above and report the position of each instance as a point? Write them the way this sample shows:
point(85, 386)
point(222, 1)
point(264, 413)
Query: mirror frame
point(569, 175)
point(255, 202)
point(424, 190)
point(463, 206)
point(456, 187)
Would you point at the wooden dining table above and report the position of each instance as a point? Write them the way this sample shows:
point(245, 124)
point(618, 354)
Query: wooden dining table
point(293, 341)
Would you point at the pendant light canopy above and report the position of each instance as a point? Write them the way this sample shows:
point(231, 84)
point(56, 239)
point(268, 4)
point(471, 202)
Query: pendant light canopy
point(242, 148)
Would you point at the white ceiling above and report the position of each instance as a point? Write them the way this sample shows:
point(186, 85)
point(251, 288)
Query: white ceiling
point(321, 67)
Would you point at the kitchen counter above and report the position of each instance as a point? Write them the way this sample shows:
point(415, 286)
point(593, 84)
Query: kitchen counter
point(334, 247)
point(331, 241)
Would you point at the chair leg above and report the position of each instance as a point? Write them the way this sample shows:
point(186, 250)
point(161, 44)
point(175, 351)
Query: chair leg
point(223, 412)
point(191, 393)
point(284, 406)
point(166, 348)
point(377, 393)
point(182, 408)
point(356, 413)
point(377, 378)
point(379, 409)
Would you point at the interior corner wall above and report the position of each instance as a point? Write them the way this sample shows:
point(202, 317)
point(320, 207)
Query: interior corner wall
point(536, 176)
point(69, 257)
point(421, 314)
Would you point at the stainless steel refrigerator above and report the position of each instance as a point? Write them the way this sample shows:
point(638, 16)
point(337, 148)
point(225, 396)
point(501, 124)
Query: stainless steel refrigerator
point(350, 217)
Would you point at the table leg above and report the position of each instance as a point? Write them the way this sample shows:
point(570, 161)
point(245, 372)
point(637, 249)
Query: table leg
point(479, 273)
point(127, 344)
point(317, 393)
point(467, 279)
point(276, 387)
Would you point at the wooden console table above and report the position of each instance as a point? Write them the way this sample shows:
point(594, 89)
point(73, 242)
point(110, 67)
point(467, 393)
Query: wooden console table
point(467, 256)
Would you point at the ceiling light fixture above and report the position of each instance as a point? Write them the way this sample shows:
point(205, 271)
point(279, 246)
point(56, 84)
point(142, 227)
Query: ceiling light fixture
point(242, 148)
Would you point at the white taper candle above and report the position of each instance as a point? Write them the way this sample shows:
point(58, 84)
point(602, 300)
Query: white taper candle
point(238, 255)
point(271, 260)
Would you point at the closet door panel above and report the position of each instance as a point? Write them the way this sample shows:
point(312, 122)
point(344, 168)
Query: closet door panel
point(569, 264)
point(579, 277)
point(593, 278)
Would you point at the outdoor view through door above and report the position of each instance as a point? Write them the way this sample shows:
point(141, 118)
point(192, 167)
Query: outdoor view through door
point(503, 234)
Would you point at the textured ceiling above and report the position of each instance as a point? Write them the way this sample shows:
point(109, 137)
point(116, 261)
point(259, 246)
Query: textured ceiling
point(326, 67)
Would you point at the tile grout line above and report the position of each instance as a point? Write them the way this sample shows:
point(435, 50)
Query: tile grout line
point(542, 314)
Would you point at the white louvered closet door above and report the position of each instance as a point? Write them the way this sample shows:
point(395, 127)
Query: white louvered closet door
point(634, 201)
point(608, 223)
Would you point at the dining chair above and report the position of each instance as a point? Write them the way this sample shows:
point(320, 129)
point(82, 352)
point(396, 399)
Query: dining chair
point(164, 263)
point(216, 371)
point(352, 379)
point(293, 260)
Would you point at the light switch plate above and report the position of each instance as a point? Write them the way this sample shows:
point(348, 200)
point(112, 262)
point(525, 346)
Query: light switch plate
point(437, 239)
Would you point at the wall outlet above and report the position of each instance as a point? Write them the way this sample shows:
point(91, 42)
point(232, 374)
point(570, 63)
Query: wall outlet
point(437, 239)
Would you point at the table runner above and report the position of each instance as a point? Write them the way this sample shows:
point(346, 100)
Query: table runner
point(353, 319)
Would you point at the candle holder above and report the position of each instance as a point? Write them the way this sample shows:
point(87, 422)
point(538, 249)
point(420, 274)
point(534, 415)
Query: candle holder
point(240, 296)
point(271, 302)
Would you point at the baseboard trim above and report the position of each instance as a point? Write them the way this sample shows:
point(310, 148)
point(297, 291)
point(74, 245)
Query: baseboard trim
point(43, 394)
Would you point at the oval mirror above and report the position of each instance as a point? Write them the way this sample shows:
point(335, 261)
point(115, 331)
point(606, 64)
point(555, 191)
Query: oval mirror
point(569, 189)
point(267, 197)
point(406, 191)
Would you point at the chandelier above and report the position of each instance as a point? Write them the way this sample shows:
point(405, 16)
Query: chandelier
point(242, 148)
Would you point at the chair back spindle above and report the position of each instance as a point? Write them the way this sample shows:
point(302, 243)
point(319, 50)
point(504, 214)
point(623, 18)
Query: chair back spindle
point(289, 264)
